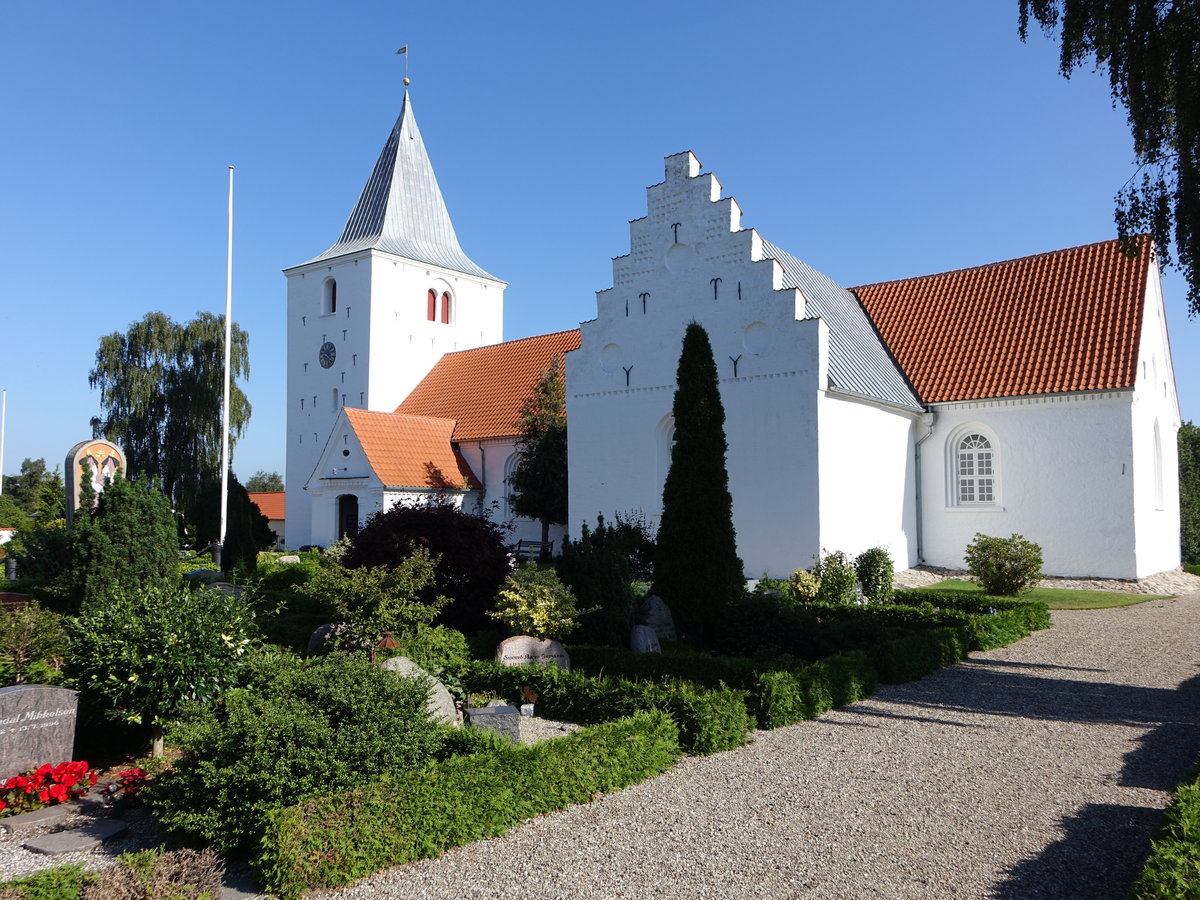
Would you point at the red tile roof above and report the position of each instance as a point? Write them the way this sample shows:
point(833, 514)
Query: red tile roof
point(270, 503)
point(1070, 320)
point(482, 389)
point(411, 451)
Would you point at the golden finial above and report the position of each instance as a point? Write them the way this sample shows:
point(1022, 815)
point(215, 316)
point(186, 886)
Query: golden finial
point(403, 51)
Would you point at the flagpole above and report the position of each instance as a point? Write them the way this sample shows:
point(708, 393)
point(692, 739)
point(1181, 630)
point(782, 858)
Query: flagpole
point(225, 402)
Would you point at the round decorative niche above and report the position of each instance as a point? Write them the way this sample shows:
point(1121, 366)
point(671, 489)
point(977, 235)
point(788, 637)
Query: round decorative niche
point(610, 357)
point(679, 258)
point(757, 338)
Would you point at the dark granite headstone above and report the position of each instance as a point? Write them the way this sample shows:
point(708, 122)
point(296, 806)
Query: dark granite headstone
point(37, 725)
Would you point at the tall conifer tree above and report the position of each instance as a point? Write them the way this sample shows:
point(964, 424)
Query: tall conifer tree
point(697, 571)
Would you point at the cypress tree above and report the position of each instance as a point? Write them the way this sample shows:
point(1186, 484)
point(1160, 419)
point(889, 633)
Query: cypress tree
point(696, 570)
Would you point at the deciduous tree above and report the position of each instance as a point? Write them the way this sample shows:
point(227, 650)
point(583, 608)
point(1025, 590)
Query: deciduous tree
point(264, 481)
point(161, 390)
point(1189, 492)
point(1151, 50)
point(539, 481)
point(696, 569)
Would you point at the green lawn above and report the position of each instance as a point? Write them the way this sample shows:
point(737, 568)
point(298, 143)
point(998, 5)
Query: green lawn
point(1060, 598)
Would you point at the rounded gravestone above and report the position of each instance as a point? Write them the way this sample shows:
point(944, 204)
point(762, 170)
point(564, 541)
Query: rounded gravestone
point(657, 615)
point(524, 650)
point(644, 639)
point(440, 704)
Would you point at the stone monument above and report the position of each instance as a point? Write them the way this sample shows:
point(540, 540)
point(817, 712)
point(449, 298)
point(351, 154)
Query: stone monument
point(37, 725)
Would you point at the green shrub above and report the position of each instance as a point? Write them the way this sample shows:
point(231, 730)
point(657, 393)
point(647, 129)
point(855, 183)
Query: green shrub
point(375, 599)
point(143, 655)
point(64, 882)
point(470, 550)
point(533, 601)
point(1004, 566)
point(161, 875)
point(708, 720)
point(129, 542)
point(803, 585)
point(33, 644)
point(915, 655)
point(786, 697)
point(598, 569)
point(331, 840)
point(875, 570)
point(837, 577)
point(1173, 869)
point(300, 728)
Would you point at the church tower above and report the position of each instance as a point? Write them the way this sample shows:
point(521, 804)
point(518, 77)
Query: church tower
point(368, 318)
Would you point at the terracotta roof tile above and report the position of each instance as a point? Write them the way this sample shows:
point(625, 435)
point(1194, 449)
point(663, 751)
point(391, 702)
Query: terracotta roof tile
point(1069, 320)
point(270, 503)
point(482, 389)
point(411, 451)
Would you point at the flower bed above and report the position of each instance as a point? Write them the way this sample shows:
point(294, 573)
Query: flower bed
point(45, 786)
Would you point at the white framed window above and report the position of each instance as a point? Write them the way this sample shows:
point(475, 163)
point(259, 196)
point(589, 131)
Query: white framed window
point(974, 468)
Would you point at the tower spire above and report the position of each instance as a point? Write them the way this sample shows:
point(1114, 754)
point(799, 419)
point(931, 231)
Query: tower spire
point(401, 209)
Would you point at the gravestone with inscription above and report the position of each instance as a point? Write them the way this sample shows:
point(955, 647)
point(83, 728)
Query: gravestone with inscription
point(524, 650)
point(37, 725)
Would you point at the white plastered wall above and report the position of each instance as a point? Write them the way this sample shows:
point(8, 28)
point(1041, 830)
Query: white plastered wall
point(690, 260)
point(491, 462)
point(384, 345)
point(1156, 419)
point(867, 478)
point(1065, 480)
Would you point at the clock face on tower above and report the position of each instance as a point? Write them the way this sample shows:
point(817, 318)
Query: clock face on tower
point(327, 354)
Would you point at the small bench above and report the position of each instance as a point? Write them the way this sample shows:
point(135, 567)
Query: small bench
point(532, 551)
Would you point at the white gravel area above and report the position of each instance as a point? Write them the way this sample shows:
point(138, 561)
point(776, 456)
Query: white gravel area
point(1035, 771)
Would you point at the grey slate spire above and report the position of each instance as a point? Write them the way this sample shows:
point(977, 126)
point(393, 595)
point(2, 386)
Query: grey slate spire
point(401, 209)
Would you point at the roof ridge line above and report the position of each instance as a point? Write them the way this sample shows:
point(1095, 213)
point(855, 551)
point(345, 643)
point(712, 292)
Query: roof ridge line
point(997, 263)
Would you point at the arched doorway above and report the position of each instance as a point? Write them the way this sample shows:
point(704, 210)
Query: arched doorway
point(347, 516)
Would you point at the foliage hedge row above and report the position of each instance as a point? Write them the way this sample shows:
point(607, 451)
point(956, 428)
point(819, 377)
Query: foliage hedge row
point(331, 840)
point(1173, 869)
point(709, 720)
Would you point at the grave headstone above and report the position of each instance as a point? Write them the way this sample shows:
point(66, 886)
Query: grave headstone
point(644, 639)
point(502, 720)
point(316, 642)
point(37, 725)
point(657, 615)
point(524, 650)
point(290, 560)
point(440, 704)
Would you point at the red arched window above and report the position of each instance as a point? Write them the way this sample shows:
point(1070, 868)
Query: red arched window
point(431, 309)
point(446, 308)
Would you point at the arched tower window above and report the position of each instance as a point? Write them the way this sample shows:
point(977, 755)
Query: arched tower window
point(446, 308)
point(1158, 467)
point(975, 471)
point(329, 297)
point(431, 305)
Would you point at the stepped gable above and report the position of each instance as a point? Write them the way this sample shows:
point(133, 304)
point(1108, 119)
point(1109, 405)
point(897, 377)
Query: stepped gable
point(411, 451)
point(482, 389)
point(1069, 320)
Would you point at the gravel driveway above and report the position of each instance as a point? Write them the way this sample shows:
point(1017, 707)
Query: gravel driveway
point(1037, 770)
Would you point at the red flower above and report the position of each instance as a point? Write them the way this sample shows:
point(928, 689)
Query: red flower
point(58, 793)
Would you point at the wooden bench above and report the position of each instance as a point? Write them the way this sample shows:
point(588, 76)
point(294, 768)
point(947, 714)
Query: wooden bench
point(11, 602)
point(533, 551)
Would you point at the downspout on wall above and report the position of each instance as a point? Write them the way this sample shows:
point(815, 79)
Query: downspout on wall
point(929, 418)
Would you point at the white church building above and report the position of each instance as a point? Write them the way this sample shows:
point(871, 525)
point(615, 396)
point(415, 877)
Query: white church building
point(1032, 396)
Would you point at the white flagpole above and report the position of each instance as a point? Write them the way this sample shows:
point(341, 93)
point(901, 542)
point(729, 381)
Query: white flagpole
point(3, 417)
point(228, 341)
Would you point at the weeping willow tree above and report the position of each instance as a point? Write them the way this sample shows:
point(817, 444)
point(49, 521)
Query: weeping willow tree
point(1151, 51)
point(160, 387)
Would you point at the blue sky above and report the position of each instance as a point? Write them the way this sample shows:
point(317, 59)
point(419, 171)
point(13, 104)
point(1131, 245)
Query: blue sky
point(874, 140)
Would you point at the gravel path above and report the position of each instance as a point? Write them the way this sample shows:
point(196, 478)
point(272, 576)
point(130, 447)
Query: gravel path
point(1034, 771)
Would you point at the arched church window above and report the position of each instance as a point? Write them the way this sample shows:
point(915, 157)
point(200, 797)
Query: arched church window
point(431, 306)
point(976, 470)
point(1158, 467)
point(446, 308)
point(329, 297)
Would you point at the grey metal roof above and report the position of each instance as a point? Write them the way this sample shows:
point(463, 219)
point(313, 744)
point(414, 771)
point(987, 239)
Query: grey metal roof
point(401, 209)
point(859, 363)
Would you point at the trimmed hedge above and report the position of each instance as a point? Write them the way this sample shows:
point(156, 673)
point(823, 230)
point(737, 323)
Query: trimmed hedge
point(709, 720)
point(915, 656)
point(330, 841)
point(1173, 869)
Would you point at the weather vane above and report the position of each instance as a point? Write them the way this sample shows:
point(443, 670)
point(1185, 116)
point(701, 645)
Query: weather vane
point(403, 51)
